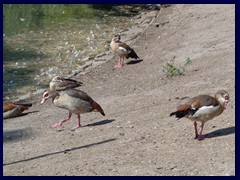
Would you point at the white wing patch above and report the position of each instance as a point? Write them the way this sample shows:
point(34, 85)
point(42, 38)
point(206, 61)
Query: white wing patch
point(205, 113)
point(121, 48)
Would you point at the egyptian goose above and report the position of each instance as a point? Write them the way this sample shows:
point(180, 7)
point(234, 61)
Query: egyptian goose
point(11, 109)
point(60, 84)
point(73, 100)
point(122, 49)
point(203, 108)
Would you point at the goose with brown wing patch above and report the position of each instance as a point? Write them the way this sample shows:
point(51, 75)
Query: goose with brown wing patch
point(73, 100)
point(122, 50)
point(203, 108)
point(11, 109)
point(60, 84)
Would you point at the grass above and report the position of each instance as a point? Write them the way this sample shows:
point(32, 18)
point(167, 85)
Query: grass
point(170, 69)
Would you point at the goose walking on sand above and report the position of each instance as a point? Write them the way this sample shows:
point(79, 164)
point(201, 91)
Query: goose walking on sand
point(73, 100)
point(203, 108)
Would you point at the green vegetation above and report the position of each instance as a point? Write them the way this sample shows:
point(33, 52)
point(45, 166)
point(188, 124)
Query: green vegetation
point(170, 69)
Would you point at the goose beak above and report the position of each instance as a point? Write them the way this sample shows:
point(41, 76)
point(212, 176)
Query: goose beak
point(43, 100)
point(225, 104)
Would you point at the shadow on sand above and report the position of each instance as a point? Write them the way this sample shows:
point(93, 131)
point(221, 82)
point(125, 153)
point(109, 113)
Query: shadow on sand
point(106, 121)
point(134, 61)
point(59, 152)
point(17, 134)
point(221, 132)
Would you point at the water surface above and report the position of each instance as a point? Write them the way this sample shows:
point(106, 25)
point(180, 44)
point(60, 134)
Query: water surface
point(42, 41)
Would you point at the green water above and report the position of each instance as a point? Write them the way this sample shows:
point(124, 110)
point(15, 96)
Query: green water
point(42, 41)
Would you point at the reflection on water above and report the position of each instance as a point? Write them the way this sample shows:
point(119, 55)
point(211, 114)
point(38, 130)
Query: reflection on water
point(41, 41)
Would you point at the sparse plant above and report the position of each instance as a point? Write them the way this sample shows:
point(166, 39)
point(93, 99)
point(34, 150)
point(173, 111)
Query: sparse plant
point(170, 69)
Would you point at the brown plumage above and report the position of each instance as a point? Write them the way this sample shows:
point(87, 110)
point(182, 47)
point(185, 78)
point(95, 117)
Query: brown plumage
point(11, 109)
point(60, 84)
point(203, 108)
point(123, 50)
point(97, 108)
point(73, 100)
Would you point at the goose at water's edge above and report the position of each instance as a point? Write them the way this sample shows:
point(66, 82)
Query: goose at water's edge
point(122, 50)
point(60, 84)
point(11, 109)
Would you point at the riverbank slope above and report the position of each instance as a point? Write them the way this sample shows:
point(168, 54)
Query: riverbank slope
point(137, 136)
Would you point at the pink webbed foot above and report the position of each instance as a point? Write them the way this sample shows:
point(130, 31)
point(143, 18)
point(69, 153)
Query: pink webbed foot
point(57, 125)
point(118, 66)
point(76, 127)
point(196, 136)
point(201, 137)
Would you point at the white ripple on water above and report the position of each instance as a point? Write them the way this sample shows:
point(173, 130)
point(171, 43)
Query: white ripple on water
point(59, 52)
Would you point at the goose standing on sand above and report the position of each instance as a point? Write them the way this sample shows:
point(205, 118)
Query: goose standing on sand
point(73, 100)
point(11, 109)
point(203, 108)
point(60, 84)
point(122, 49)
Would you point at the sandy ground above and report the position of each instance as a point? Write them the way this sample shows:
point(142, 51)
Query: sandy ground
point(137, 136)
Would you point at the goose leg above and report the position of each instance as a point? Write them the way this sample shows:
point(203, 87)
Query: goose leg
point(196, 131)
point(119, 63)
point(200, 136)
point(78, 125)
point(57, 125)
point(122, 60)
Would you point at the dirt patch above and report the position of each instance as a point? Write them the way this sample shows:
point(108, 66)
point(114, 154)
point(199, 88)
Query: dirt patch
point(137, 136)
